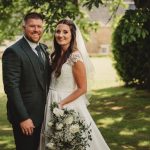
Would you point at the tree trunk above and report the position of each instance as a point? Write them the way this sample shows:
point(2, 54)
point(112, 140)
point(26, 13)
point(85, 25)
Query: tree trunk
point(142, 3)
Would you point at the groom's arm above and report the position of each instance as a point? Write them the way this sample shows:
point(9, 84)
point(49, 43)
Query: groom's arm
point(11, 79)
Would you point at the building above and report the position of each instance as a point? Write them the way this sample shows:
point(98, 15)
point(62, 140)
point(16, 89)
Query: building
point(100, 41)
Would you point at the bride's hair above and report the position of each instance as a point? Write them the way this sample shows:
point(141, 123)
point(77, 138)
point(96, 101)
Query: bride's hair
point(55, 56)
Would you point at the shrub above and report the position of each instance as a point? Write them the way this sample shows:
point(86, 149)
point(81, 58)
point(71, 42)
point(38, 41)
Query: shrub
point(131, 48)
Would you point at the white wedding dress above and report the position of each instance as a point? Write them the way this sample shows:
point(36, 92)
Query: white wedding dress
point(60, 88)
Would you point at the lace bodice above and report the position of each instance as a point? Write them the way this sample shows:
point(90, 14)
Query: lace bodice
point(66, 82)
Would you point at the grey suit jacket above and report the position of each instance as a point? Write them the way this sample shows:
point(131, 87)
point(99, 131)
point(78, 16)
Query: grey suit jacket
point(25, 82)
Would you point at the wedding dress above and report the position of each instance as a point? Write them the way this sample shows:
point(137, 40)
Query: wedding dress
point(60, 88)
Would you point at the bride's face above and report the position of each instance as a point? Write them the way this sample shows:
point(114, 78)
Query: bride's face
point(63, 35)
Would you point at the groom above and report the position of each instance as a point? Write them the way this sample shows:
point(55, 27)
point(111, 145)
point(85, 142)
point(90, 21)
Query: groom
point(26, 81)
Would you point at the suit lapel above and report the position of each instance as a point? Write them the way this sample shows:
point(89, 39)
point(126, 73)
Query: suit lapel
point(34, 60)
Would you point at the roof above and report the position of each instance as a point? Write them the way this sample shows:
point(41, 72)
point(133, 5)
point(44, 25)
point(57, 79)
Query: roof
point(103, 15)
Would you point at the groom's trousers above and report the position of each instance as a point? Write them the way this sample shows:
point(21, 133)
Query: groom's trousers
point(26, 142)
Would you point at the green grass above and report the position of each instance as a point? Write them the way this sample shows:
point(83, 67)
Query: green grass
point(6, 138)
point(123, 117)
point(121, 114)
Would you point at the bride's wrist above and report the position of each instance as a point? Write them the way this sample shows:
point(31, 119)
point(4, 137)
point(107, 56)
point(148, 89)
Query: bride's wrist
point(60, 105)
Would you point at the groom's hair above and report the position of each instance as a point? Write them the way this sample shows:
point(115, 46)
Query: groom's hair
point(33, 15)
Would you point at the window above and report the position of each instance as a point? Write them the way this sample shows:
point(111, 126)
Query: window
point(104, 49)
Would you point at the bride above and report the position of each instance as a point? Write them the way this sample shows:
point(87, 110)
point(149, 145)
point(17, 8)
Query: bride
point(71, 69)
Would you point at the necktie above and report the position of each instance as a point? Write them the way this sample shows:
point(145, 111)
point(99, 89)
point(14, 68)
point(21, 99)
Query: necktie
point(38, 49)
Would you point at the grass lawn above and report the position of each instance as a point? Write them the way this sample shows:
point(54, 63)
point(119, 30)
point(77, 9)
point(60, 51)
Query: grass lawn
point(123, 117)
point(121, 114)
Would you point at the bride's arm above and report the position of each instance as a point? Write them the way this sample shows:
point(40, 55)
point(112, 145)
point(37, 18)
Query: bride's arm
point(79, 73)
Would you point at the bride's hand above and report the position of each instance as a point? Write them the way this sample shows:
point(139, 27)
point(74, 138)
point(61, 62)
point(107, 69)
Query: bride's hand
point(60, 105)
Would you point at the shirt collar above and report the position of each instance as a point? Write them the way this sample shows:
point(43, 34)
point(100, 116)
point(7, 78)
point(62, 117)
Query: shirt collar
point(32, 45)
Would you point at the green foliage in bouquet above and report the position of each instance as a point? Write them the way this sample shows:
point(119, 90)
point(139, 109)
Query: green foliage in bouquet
point(131, 48)
point(67, 131)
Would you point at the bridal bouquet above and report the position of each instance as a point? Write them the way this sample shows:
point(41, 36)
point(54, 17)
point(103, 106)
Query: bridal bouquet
point(67, 131)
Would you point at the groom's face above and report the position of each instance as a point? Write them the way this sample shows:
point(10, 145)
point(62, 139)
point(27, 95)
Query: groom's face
point(33, 29)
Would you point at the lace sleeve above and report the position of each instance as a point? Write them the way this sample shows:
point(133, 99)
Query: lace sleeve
point(74, 57)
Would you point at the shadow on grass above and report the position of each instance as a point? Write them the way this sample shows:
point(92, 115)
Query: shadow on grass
point(123, 117)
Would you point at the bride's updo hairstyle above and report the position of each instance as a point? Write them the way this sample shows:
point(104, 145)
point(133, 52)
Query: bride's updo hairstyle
point(55, 56)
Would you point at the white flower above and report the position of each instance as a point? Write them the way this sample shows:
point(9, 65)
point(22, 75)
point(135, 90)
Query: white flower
point(51, 146)
point(74, 128)
point(58, 112)
point(70, 137)
point(59, 126)
point(50, 124)
point(59, 135)
point(69, 120)
point(84, 135)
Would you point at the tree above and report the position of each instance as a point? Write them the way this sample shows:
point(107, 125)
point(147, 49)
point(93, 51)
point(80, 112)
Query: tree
point(11, 13)
point(142, 3)
point(131, 46)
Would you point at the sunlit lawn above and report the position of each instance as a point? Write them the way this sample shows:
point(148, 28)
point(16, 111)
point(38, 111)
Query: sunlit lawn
point(122, 114)
point(123, 117)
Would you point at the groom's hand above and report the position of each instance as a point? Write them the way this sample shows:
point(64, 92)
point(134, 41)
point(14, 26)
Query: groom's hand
point(27, 127)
